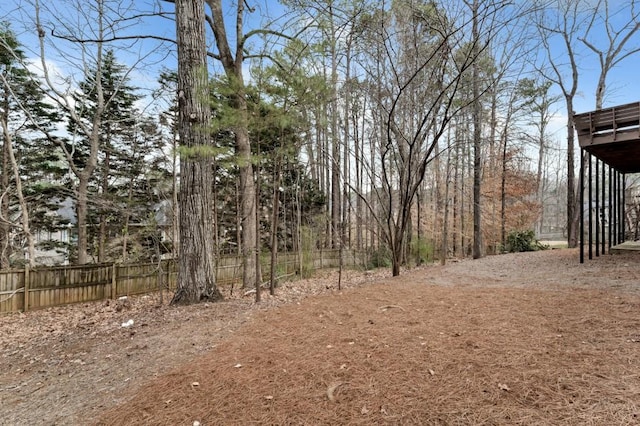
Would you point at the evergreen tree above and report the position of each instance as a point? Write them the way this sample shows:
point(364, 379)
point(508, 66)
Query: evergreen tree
point(122, 195)
point(29, 202)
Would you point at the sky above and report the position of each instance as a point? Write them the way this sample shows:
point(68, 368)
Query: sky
point(623, 84)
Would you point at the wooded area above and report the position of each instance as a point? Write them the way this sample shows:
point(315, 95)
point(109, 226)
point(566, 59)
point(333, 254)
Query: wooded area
point(412, 130)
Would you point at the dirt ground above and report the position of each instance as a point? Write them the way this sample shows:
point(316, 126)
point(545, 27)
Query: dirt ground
point(531, 338)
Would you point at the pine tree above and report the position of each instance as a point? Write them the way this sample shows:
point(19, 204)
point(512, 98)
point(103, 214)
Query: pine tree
point(31, 168)
point(122, 195)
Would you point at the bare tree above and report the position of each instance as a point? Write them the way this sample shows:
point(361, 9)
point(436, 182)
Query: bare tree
point(19, 103)
point(72, 46)
point(563, 20)
point(477, 135)
point(618, 36)
point(418, 99)
point(90, 129)
point(24, 211)
point(538, 106)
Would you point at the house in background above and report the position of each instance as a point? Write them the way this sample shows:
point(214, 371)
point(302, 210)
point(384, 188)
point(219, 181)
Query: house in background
point(56, 247)
point(53, 247)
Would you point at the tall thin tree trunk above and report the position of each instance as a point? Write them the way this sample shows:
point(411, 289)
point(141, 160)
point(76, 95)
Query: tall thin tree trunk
point(445, 222)
point(233, 63)
point(175, 210)
point(503, 192)
point(572, 200)
point(24, 211)
point(477, 155)
point(539, 177)
point(81, 217)
point(5, 225)
point(274, 224)
point(456, 178)
point(248, 207)
point(102, 235)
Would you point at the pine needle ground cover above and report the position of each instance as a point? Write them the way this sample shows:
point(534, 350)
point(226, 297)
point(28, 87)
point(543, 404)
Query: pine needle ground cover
point(529, 338)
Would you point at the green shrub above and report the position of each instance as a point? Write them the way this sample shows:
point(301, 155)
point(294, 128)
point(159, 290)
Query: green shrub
point(380, 258)
point(519, 241)
point(421, 250)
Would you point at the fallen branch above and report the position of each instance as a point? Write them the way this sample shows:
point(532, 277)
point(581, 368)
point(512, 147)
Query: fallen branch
point(11, 294)
point(384, 308)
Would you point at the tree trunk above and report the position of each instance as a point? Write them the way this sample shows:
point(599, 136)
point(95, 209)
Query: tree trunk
point(503, 192)
point(232, 64)
point(102, 237)
point(456, 178)
point(81, 218)
point(274, 225)
point(445, 223)
point(477, 156)
point(572, 200)
point(539, 175)
point(247, 207)
point(84, 175)
point(196, 263)
point(334, 161)
point(396, 258)
point(5, 225)
point(24, 212)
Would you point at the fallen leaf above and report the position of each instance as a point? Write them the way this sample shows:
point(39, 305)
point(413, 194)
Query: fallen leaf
point(332, 389)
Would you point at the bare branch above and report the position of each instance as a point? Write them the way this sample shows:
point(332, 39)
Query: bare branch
point(110, 39)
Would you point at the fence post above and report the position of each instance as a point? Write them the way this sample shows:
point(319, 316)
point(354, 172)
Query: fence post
point(114, 281)
point(25, 306)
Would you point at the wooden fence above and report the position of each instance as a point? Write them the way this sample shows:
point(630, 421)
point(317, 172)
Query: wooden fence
point(25, 289)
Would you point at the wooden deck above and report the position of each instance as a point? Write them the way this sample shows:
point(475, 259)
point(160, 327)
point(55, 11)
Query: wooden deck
point(609, 125)
point(612, 135)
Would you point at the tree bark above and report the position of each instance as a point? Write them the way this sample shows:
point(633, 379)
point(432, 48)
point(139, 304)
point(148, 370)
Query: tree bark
point(196, 264)
point(477, 156)
point(572, 199)
point(232, 65)
point(5, 226)
point(248, 208)
point(24, 211)
point(336, 201)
